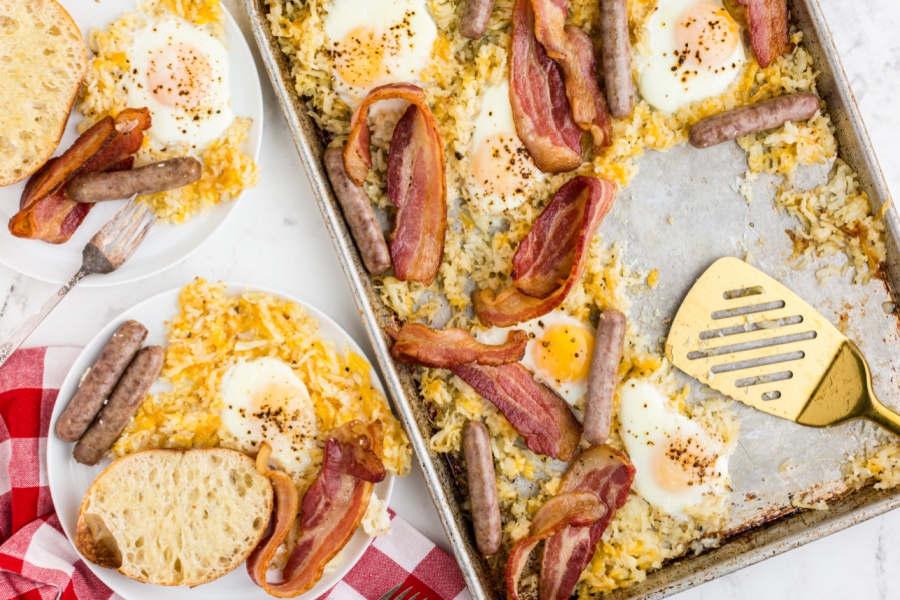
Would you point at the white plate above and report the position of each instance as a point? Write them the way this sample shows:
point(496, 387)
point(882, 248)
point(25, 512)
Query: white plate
point(70, 480)
point(166, 245)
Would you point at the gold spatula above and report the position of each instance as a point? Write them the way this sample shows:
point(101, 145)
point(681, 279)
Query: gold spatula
point(744, 334)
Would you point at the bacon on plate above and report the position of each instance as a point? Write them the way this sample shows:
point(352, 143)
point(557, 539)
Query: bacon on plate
point(551, 258)
point(572, 527)
point(45, 212)
point(332, 509)
point(419, 344)
point(416, 180)
point(542, 418)
point(767, 21)
point(537, 94)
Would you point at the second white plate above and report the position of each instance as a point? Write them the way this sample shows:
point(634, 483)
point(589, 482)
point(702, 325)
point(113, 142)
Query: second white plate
point(69, 480)
point(166, 245)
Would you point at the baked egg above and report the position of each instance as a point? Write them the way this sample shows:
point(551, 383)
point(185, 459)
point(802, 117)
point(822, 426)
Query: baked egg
point(696, 51)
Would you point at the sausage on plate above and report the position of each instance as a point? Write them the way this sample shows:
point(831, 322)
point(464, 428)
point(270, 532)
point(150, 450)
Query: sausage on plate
point(616, 50)
point(100, 380)
point(745, 120)
point(359, 214)
point(115, 185)
point(475, 17)
point(482, 487)
point(609, 344)
point(123, 403)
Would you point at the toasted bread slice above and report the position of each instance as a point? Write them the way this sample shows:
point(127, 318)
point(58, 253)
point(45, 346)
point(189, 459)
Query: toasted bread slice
point(43, 60)
point(173, 517)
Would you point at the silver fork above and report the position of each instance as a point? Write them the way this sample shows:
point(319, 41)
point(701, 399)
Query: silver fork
point(402, 595)
point(106, 252)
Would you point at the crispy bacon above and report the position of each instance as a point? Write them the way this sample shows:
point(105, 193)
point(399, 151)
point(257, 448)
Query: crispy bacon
point(416, 180)
point(46, 213)
point(574, 509)
point(543, 419)
point(418, 344)
point(332, 509)
point(537, 94)
point(551, 258)
point(768, 24)
point(574, 51)
point(606, 473)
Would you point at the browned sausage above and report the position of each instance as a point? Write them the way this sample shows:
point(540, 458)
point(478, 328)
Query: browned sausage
point(100, 380)
point(474, 20)
point(115, 185)
point(123, 403)
point(482, 487)
point(359, 214)
point(616, 50)
point(745, 120)
point(609, 344)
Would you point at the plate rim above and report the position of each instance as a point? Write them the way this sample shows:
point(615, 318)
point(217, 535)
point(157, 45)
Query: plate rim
point(229, 207)
point(73, 374)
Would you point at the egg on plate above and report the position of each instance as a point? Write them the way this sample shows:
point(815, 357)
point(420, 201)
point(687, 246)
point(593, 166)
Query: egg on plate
point(558, 352)
point(180, 72)
point(677, 462)
point(501, 172)
point(377, 42)
point(264, 401)
point(695, 52)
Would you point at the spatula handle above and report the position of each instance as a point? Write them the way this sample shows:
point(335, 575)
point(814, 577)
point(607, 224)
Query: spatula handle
point(885, 417)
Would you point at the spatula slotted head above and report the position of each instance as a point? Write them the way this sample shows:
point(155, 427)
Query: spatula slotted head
point(744, 334)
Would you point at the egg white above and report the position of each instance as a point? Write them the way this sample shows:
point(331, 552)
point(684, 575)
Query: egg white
point(501, 172)
point(674, 74)
point(677, 462)
point(377, 42)
point(180, 72)
point(572, 389)
point(264, 401)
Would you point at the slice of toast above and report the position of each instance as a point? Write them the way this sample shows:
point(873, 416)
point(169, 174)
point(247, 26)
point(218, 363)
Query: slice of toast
point(173, 517)
point(43, 60)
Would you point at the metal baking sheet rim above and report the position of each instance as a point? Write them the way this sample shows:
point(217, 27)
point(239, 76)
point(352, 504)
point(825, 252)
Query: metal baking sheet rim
point(784, 532)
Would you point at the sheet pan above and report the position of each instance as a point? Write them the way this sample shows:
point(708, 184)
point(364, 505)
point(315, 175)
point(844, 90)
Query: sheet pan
point(700, 216)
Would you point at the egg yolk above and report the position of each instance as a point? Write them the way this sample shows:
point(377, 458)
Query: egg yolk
point(564, 353)
point(278, 406)
point(705, 36)
point(680, 464)
point(500, 165)
point(360, 57)
point(180, 76)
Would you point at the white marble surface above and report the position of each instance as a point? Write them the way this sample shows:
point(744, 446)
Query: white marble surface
point(276, 238)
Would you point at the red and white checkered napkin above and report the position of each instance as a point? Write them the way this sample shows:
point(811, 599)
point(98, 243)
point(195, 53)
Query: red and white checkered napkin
point(37, 561)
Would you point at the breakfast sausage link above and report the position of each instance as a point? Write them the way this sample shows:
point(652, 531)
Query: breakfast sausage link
point(123, 403)
point(115, 185)
point(760, 116)
point(609, 344)
point(474, 20)
point(100, 380)
point(616, 50)
point(482, 487)
point(359, 214)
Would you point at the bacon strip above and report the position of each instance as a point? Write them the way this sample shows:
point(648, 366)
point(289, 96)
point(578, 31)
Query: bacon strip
point(768, 24)
point(542, 418)
point(574, 509)
point(46, 213)
point(537, 94)
point(331, 510)
point(606, 473)
point(574, 51)
point(551, 258)
point(416, 180)
point(418, 344)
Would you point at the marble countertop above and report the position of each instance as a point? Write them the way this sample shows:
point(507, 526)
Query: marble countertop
point(276, 238)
